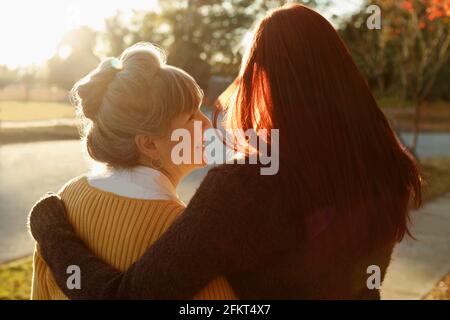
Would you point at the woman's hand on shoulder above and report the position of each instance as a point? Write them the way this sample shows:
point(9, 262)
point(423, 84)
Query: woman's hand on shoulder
point(47, 214)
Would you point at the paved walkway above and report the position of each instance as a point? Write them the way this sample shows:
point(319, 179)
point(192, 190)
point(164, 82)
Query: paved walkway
point(417, 265)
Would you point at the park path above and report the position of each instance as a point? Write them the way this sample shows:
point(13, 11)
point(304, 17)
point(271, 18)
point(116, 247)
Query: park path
point(417, 265)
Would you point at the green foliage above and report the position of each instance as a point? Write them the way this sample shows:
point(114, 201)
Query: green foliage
point(15, 280)
point(440, 89)
point(409, 55)
point(75, 58)
point(203, 37)
point(437, 177)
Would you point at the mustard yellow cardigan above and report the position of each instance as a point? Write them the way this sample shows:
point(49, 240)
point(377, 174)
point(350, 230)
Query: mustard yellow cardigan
point(117, 229)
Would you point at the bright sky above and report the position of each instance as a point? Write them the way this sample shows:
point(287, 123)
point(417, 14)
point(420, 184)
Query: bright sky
point(30, 30)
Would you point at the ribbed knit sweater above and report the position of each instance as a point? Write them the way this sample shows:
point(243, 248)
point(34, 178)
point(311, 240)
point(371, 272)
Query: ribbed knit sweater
point(118, 230)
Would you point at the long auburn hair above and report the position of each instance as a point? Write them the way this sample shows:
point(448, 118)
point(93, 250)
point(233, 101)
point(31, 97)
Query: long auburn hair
point(336, 146)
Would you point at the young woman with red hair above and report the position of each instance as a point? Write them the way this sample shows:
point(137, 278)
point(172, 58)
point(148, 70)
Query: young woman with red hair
point(335, 209)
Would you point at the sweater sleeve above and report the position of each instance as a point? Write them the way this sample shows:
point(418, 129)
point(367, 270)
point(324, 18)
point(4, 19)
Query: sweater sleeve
point(214, 236)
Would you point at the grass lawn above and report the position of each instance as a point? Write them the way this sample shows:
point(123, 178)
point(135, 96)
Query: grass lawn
point(15, 277)
point(16, 111)
point(436, 172)
point(33, 111)
point(33, 134)
point(441, 291)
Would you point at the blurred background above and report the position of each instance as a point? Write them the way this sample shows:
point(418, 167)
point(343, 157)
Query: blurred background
point(48, 45)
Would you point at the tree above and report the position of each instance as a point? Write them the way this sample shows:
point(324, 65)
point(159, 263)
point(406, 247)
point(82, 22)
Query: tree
point(7, 76)
point(116, 34)
point(203, 37)
point(424, 41)
point(409, 51)
point(75, 58)
point(373, 49)
point(28, 78)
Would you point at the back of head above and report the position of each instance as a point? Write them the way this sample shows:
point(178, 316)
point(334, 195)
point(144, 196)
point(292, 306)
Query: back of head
point(135, 94)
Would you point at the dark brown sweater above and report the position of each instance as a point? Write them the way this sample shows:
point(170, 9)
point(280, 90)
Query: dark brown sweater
point(238, 226)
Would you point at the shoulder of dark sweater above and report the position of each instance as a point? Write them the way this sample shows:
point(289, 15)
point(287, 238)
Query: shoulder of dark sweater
point(237, 172)
point(245, 203)
point(239, 186)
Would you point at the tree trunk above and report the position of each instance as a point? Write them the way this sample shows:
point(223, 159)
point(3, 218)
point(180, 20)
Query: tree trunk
point(416, 128)
point(27, 92)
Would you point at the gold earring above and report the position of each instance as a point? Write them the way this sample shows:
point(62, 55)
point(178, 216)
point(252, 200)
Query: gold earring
point(156, 164)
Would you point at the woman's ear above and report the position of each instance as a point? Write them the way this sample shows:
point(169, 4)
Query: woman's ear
point(147, 147)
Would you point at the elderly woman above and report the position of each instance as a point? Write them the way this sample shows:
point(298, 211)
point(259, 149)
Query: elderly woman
point(130, 106)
